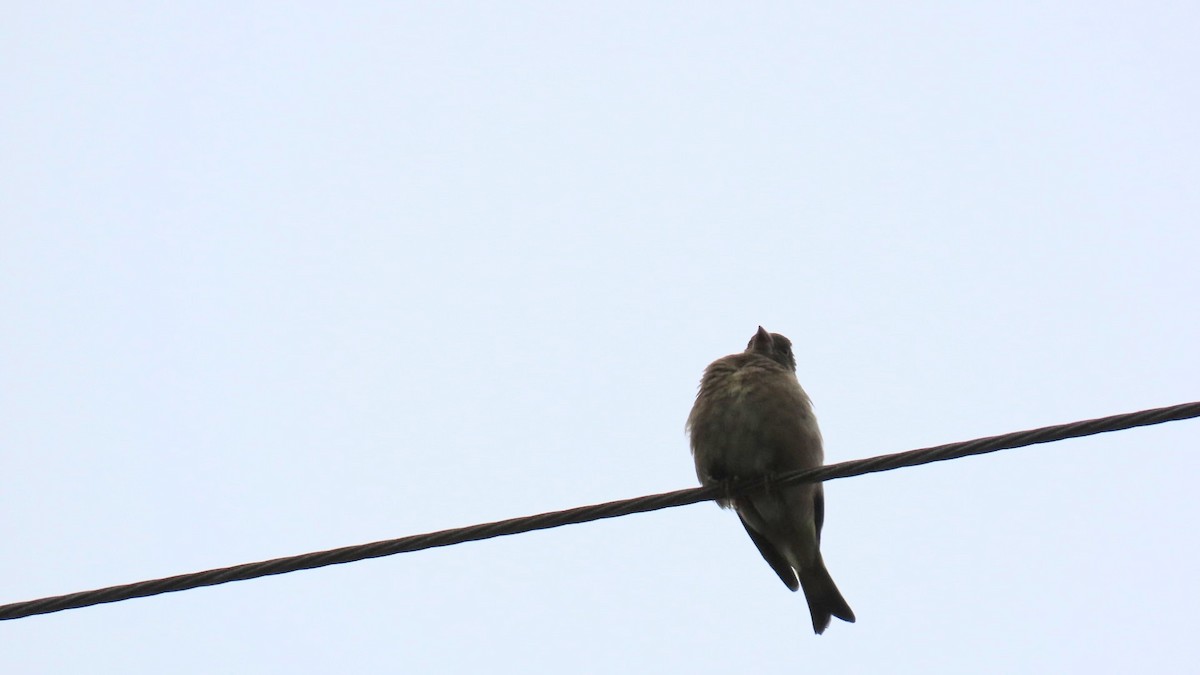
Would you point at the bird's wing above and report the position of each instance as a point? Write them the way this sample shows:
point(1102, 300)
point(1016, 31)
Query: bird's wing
point(770, 553)
point(819, 509)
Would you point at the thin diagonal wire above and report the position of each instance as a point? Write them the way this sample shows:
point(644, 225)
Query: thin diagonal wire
point(585, 514)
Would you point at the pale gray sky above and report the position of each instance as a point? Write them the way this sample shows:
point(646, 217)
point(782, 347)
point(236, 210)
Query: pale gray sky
point(280, 277)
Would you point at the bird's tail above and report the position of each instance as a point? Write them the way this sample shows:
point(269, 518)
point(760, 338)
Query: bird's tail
point(824, 598)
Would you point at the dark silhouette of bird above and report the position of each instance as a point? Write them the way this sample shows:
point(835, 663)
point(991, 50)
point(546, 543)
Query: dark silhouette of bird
point(752, 419)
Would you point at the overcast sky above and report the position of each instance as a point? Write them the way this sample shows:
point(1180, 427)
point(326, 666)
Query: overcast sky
point(281, 277)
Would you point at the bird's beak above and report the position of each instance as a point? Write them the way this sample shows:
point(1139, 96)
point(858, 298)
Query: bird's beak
point(761, 342)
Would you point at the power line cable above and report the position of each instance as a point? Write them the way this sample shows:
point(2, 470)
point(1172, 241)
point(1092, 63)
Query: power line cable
point(585, 514)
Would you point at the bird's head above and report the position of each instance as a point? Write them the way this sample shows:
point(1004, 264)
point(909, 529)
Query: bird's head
point(773, 346)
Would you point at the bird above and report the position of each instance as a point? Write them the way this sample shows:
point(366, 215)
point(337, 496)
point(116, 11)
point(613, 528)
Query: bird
point(752, 419)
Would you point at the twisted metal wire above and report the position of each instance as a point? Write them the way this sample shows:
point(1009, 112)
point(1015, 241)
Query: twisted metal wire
point(585, 514)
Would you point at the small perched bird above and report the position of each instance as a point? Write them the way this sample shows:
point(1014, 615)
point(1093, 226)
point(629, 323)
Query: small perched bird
point(753, 420)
